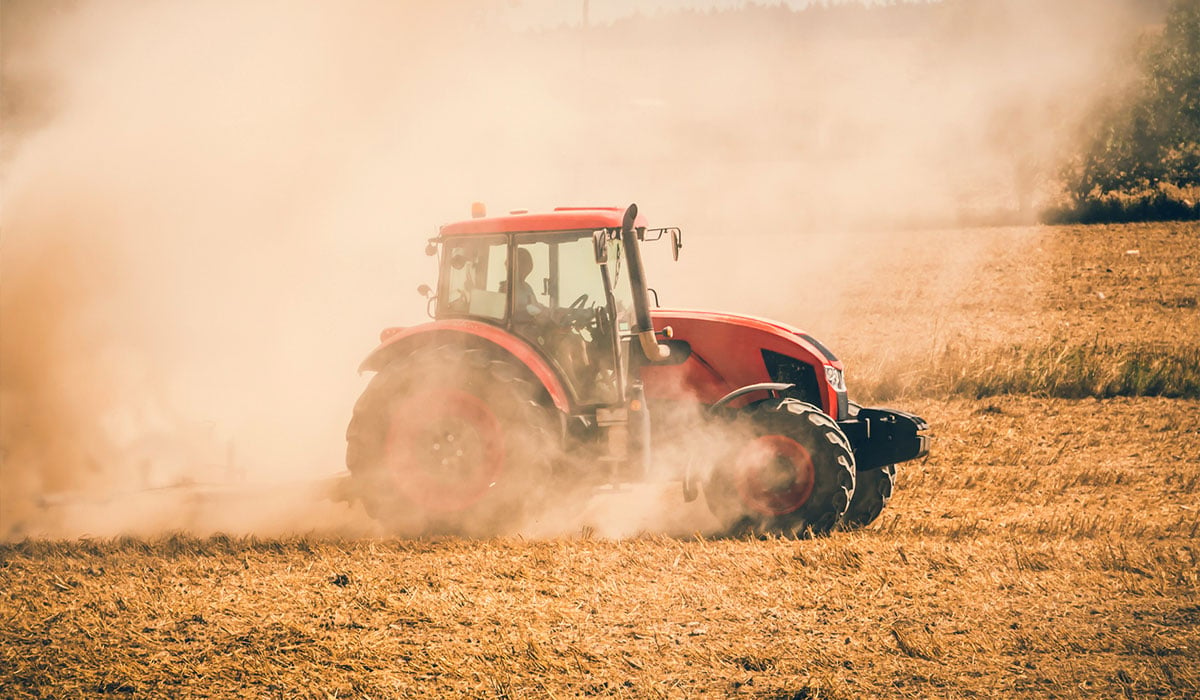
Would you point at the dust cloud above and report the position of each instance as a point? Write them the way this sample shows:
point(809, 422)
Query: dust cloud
point(210, 209)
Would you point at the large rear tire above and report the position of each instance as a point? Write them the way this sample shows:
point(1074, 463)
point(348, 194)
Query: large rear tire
point(791, 473)
point(450, 441)
point(872, 491)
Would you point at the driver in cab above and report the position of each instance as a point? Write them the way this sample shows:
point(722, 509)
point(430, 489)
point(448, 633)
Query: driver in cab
point(525, 303)
point(551, 328)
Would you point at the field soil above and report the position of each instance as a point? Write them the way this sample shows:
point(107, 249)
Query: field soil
point(1049, 545)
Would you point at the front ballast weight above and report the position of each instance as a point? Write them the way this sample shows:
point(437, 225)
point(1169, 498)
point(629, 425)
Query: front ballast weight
point(884, 436)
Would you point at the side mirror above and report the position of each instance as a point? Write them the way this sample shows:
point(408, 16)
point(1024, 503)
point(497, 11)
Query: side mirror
point(431, 249)
point(676, 243)
point(426, 292)
point(600, 246)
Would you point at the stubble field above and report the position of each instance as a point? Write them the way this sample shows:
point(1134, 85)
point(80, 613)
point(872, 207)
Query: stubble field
point(1047, 547)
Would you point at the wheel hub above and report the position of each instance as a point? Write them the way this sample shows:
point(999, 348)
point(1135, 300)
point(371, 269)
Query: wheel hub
point(445, 449)
point(775, 475)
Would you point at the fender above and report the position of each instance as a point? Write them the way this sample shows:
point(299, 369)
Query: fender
point(773, 387)
point(393, 339)
point(727, 353)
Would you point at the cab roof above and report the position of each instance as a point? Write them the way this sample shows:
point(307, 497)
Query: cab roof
point(561, 219)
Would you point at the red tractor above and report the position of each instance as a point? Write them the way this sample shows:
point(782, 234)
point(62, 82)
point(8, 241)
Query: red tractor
point(546, 369)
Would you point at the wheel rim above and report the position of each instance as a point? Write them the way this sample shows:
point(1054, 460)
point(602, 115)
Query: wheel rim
point(775, 475)
point(445, 449)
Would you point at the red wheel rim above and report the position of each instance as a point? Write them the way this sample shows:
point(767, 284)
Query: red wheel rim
point(444, 448)
point(775, 475)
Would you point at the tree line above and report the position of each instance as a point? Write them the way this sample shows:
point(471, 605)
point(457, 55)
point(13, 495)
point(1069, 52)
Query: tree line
point(1139, 156)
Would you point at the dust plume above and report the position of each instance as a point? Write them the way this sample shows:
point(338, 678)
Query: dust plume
point(210, 209)
point(189, 250)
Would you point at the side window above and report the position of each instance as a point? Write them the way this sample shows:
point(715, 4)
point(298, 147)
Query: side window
point(473, 276)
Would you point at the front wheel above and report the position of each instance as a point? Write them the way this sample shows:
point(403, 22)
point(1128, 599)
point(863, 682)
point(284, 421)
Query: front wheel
point(872, 492)
point(791, 472)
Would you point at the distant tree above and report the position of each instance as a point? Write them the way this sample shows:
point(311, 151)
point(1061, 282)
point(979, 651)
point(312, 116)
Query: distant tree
point(1149, 137)
point(1175, 94)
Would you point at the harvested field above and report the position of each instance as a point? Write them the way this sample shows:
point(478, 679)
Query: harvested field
point(1071, 311)
point(1046, 548)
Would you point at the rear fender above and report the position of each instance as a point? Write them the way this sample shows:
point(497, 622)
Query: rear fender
point(400, 341)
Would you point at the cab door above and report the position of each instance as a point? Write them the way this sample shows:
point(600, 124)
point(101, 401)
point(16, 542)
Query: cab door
point(561, 306)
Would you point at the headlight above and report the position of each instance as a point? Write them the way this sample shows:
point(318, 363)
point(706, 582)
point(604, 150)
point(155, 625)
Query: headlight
point(835, 377)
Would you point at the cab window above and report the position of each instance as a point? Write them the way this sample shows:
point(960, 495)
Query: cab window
point(473, 276)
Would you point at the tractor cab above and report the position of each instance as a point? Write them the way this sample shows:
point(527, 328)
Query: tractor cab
point(559, 281)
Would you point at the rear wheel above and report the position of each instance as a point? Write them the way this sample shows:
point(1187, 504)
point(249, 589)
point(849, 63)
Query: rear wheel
point(450, 441)
point(872, 490)
point(791, 474)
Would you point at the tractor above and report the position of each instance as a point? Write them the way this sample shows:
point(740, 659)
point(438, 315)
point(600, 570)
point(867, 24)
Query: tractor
point(545, 371)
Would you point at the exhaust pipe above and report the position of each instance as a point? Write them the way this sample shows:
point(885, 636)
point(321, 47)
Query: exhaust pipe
point(643, 327)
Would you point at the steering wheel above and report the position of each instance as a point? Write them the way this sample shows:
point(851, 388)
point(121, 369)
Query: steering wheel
point(575, 314)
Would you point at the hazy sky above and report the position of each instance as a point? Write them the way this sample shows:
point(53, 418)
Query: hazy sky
point(558, 12)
